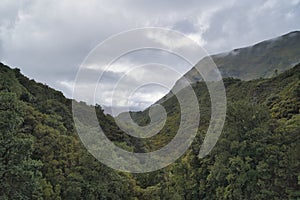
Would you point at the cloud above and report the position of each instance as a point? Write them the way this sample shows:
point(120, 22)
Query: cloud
point(248, 22)
point(133, 83)
point(50, 39)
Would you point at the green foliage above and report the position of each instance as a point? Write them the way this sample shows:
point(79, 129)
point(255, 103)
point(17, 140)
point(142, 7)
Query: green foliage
point(256, 157)
point(19, 174)
point(41, 155)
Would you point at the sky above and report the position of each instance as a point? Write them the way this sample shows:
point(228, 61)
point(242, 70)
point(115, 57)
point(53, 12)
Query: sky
point(50, 39)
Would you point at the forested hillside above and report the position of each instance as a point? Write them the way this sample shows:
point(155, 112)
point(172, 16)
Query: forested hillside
point(258, 153)
point(256, 157)
point(41, 155)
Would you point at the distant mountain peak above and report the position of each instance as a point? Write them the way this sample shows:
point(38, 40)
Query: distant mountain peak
point(257, 61)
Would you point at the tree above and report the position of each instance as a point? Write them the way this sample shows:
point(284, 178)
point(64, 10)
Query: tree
point(19, 175)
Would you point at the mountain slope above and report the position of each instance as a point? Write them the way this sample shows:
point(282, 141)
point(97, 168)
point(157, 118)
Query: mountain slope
point(262, 60)
point(256, 157)
point(258, 153)
point(41, 156)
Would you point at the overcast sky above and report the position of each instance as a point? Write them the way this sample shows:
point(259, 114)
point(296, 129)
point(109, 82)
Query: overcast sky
point(48, 40)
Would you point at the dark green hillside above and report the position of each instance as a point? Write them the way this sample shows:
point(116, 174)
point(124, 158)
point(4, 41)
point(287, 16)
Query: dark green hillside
point(256, 157)
point(41, 155)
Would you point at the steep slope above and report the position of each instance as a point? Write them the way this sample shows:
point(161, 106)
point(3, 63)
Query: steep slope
point(279, 94)
point(262, 60)
point(41, 156)
point(256, 157)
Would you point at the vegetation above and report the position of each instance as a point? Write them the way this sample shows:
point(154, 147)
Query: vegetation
point(256, 157)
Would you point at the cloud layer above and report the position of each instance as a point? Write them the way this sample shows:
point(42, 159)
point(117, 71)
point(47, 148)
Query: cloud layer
point(49, 39)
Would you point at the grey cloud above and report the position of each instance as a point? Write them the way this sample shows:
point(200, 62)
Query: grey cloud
point(248, 22)
point(185, 26)
point(49, 40)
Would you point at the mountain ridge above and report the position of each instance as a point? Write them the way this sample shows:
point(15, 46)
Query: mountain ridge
point(256, 61)
point(256, 157)
point(261, 60)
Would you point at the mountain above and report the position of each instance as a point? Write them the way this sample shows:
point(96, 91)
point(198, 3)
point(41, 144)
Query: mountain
point(260, 138)
point(41, 156)
point(262, 60)
point(258, 153)
point(256, 157)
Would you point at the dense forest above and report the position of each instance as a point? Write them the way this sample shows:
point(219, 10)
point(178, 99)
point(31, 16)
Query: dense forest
point(256, 157)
